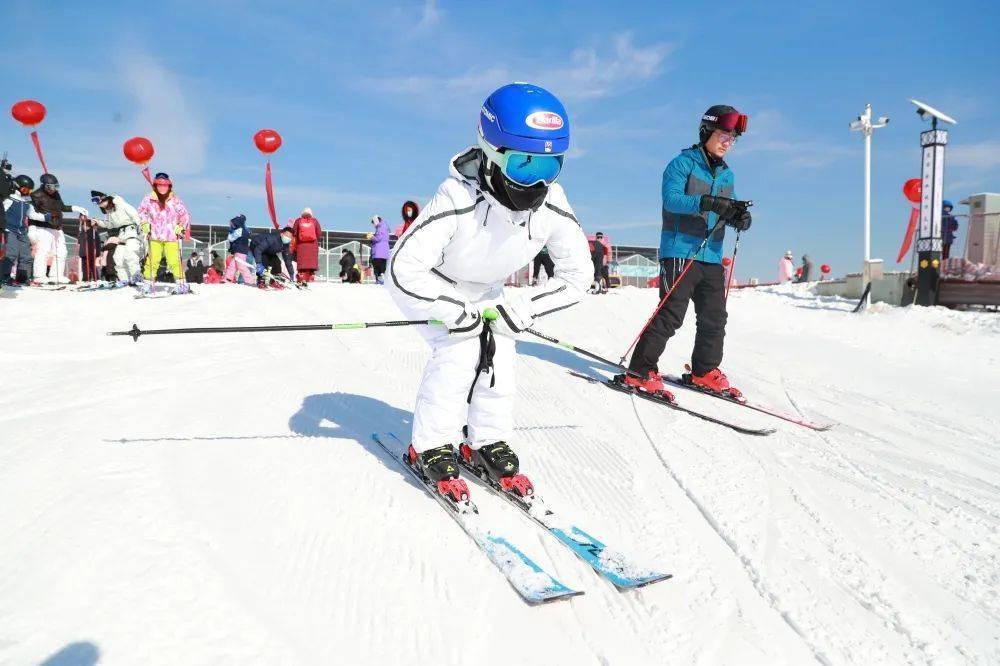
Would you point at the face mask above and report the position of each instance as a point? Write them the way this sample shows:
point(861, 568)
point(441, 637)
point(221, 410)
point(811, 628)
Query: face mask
point(285, 239)
point(514, 196)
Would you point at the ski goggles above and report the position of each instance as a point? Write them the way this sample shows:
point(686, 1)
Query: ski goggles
point(524, 168)
point(730, 122)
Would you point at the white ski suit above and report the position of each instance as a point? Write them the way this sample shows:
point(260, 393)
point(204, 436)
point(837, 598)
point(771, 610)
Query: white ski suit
point(123, 225)
point(456, 256)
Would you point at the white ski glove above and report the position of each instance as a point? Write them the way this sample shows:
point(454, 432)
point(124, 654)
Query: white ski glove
point(468, 323)
point(80, 210)
point(515, 316)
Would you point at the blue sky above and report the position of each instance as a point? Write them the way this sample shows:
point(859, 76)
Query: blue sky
point(372, 99)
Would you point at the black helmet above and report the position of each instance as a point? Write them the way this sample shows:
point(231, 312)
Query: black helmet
point(24, 182)
point(724, 117)
point(49, 179)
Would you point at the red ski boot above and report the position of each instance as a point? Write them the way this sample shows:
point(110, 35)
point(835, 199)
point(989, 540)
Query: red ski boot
point(714, 381)
point(440, 468)
point(497, 464)
point(653, 384)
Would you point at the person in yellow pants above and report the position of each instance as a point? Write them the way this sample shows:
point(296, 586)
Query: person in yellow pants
point(165, 221)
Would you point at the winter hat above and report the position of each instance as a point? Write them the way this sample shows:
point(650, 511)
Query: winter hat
point(788, 254)
point(376, 219)
point(307, 212)
point(239, 219)
point(162, 179)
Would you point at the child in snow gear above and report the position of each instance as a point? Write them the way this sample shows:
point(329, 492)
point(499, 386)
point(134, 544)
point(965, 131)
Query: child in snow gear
point(239, 249)
point(349, 267)
point(269, 250)
point(698, 203)
point(490, 217)
point(48, 237)
point(165, 222)
point(18, 212)
point(307, 234)
point(121, 221)
point(380, 247)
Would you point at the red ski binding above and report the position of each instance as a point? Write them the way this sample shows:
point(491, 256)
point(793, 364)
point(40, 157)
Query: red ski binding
point(454, 489)
point(518, 484)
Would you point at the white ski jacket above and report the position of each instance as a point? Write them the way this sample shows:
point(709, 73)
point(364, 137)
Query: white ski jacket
point(124, 218)
point(465, 244)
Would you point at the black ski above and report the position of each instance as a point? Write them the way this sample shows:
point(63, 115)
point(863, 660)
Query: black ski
point(666, 403)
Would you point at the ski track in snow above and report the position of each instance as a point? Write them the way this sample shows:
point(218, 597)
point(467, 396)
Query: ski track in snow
point(216, 498)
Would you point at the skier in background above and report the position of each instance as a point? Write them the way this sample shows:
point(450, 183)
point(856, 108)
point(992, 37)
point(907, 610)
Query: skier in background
point(786, 269)
point(306, 234)
point(805, 271)
point(698, 197)
point(380, 247)
point(599, 254)
point(122, 222)
point(410, 212)
point(499, 206)
point(542, 259)
point(165, 221)
point(949, 227)
point(269, 249)
point(48, 237)
point(239, 250)
point(349, 272)
point(18, 213)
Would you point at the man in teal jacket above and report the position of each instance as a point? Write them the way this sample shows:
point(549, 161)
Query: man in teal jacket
point(698, 202)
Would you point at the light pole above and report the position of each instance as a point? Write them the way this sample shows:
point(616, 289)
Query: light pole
point(865, 125)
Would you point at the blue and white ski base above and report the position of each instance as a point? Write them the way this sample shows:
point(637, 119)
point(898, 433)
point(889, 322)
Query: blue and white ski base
point(532, 582)
point(623, 571)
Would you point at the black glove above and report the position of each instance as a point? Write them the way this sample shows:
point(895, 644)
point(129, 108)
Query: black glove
point(741, 222)
point(724, 207)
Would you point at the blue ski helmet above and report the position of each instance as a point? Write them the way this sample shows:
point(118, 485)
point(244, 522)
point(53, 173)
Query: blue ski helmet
point(526, 117)
point(947, 204)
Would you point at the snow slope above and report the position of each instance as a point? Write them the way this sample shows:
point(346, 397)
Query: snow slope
point(215, 499)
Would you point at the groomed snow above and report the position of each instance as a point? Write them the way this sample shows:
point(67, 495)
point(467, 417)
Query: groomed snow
point(216, 499)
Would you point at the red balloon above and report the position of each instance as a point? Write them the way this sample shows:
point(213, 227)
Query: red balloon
point(267, 141)
point(825, 268)
point(138, 149)
point(726, 261)
point(28, 112)
point(912, 190)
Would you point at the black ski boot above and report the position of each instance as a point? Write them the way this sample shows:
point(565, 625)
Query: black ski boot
point(497, 464)
point(440, 467)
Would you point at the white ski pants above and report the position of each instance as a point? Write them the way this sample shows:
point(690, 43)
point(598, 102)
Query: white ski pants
point(48, 243)
point(441, 408)
point(128, 262)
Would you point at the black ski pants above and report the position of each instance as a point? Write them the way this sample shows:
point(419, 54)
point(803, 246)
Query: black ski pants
point(543, 259)
point(705, 284)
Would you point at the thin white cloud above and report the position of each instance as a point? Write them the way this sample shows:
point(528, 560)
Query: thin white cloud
point(430, 16)
point(983, 155)
point(165, 115)
point(771, 132)
point(591, 74)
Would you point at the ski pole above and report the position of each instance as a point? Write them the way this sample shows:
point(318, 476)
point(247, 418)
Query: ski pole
point(732, 266)
point(583, 352)
point(135, 331)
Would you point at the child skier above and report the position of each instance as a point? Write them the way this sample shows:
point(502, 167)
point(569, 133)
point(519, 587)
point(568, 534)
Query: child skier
point(490, 217)
point(166, 220)
point(121, 221)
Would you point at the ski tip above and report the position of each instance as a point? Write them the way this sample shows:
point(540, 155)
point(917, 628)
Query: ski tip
point(643, 582)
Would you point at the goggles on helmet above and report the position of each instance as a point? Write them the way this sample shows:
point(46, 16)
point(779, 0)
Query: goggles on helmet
point(730, 122)
point(524, 168)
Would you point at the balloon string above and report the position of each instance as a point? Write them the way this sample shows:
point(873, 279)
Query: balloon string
point(145, 173)
point(38, 149)
point(270, 195)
